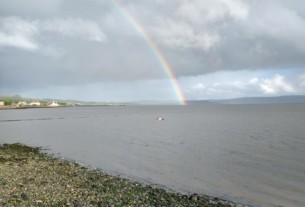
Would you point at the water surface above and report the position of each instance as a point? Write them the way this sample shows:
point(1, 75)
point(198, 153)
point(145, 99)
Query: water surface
point(249, 153)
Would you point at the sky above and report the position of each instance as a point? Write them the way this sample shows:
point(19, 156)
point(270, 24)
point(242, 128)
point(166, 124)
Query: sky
point(109, 50)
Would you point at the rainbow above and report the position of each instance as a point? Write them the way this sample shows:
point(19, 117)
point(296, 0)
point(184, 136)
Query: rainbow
point(155, 50)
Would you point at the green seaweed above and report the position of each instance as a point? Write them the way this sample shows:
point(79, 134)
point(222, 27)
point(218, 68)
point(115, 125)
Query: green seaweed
point(20, 148)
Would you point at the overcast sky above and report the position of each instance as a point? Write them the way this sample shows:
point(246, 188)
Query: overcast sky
point(89, 50)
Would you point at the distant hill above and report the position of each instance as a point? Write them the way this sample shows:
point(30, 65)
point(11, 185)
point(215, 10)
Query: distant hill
point(199, 102)
point(13, 98)
point(255, 100)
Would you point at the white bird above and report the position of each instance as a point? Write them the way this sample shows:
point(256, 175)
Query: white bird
point(160, 118)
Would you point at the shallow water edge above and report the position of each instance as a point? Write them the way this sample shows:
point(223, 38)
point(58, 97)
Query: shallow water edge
point(29, 177)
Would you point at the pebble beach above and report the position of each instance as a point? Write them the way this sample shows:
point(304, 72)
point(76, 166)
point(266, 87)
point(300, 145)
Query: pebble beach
point(31, 178)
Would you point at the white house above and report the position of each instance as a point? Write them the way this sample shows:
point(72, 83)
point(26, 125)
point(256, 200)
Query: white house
point(53, 104)
point(1, 103)
point(34, 103)
point(21, 103)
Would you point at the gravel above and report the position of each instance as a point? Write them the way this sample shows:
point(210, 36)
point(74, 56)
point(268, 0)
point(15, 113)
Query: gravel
point(31, 178)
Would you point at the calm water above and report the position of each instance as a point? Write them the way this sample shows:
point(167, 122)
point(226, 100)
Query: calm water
point(249, 153)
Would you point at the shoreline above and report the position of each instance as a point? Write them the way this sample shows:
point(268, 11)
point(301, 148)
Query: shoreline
point(29, 177)
point(54, 107)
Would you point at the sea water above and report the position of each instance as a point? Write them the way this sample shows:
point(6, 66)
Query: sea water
point(254, 154)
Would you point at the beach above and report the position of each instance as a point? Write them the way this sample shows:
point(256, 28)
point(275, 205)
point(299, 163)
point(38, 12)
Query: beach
point(31, 178)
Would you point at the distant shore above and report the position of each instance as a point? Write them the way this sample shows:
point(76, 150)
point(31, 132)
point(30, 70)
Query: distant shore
point(28, 107)
point(31, 178)
point(52, 107)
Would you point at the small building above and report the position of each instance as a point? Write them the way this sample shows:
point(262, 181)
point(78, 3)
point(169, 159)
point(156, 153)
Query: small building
point(21, 104)
point(53, 104)
point(1, 103)
point(34, 103)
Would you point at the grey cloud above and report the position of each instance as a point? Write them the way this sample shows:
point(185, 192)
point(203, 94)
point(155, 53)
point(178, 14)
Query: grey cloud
point(55, 8)
point(18, 29)
point(69, 61)
point(182, 36)
point(258, 35)
point(18, 33)
point(74, 42)
point(74, 27)
point(204, 12)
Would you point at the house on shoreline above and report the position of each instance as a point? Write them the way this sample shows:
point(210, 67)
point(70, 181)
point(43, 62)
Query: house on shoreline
point(34, 103)
point(21, 104)
point(53, 104)
point(12, 104)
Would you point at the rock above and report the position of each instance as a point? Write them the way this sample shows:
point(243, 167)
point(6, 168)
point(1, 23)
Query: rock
point(213, 202)
point(194, 197)
point(77, 203)
point(184, 196)
point(24, 196)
